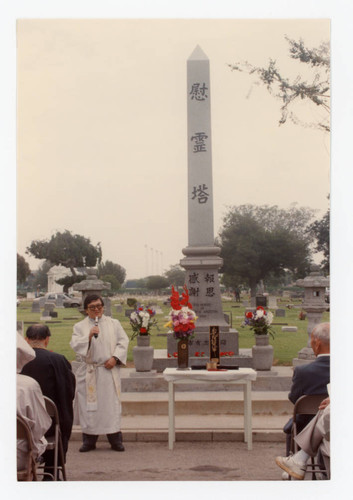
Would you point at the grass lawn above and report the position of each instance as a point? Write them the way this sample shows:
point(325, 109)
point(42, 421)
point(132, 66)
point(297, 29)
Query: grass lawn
point(286, 345)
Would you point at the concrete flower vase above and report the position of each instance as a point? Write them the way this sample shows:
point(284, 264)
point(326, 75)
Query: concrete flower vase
point(143, 354)
point(262, 353)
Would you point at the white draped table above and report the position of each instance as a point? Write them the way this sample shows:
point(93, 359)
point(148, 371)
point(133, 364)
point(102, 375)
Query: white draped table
point(243, 376)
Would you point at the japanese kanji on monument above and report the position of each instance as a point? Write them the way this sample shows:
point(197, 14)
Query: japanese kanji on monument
point(202, 261)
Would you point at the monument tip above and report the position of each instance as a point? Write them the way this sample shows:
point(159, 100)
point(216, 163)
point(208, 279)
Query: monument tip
point(198, 54)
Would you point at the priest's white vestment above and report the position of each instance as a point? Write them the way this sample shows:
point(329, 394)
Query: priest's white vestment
point(98, 388)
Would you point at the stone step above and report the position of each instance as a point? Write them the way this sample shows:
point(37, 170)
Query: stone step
point(205, 403)
point(149, 428)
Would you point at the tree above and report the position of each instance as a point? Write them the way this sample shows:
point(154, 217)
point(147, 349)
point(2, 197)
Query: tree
point(175, 275)
point(23, 270)
point(156, 282)
point(41, 278)
point(110, 278)
point(108, 268)
point(321, 231)
point(69, 250)
point(68, 281)
point(257, 242)
point(316, 91)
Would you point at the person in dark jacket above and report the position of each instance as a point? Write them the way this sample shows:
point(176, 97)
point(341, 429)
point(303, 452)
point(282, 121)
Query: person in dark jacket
point(53, 373)
point(311, 378)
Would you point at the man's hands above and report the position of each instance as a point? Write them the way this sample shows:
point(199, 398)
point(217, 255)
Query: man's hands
point(324, 403)
point(93, 331)
point(110, 363)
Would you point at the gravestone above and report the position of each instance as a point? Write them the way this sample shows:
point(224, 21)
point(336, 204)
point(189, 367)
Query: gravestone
point(60, 302)
point(128, 312)
point(280, 313)
point(272, 302)
point(41, 301)
point(261, 300)
point(48, 308)
point(202, 261)
point(107, 306)
point(35, 306)
point(289, 328)
point(119, 308)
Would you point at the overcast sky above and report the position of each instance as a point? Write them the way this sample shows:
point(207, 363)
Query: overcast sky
point(102, 144)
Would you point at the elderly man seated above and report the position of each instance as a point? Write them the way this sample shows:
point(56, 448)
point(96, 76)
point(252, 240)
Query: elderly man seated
point(311, 378)
point(314, 438)
point(30, 406)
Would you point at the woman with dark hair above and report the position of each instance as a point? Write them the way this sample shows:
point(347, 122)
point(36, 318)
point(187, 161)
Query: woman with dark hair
point(101, 346)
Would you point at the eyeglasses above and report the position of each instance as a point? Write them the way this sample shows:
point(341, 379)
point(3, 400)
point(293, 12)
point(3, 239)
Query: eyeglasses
point(92, 308)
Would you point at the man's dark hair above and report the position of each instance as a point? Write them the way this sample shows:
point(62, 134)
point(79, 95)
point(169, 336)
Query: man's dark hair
point(38, 332)
point(92, 298)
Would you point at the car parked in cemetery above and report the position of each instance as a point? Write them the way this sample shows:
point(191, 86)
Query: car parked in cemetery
point(64, 298)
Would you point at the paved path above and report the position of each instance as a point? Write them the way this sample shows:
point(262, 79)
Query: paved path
point(189, 461)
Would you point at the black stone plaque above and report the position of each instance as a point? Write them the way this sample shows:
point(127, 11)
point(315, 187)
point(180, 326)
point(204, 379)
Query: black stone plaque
point(214, 342)
point(261, 300)
point(183, 354)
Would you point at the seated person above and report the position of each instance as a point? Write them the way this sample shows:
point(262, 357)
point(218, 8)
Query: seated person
point(54, 374)
point(30, 406)
point(314, 438)
point(311, 378)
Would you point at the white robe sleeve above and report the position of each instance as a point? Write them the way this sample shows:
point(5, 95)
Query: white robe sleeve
point(122, 342)
point(80, 338)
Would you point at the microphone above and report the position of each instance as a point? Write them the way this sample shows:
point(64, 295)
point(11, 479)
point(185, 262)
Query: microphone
point(95, 335)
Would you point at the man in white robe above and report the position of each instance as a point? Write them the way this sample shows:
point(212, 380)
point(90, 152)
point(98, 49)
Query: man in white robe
point(100, 344)
point(30, 406)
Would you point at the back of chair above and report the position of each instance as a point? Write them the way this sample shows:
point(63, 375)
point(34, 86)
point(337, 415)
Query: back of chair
point(24, 432)
point(308, 405)
point(51, 409)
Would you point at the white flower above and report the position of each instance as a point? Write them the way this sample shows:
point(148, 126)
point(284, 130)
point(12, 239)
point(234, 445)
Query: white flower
point(145, 321)
point(269, 318)
point(134, 316)
point(259, 314)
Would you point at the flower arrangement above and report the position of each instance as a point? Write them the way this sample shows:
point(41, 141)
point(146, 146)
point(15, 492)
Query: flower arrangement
point(182, 317)
point(260, 321)
point(142, 320)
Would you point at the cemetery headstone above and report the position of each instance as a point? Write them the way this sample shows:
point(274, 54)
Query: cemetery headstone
point(261, 300)
point(60, 302)
point(289, 328)
point(48, 308)
point(272, 302)
point(41, 301)
point(107, 306)
point(280, 313)
point(128, 312)
point(35, 306)
point(119, 308)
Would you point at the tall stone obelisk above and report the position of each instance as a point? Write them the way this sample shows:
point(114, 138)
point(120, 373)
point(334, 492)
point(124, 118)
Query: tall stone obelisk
point(202, 260)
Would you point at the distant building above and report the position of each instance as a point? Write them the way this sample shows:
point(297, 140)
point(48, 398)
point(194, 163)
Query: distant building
point(56, 273)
